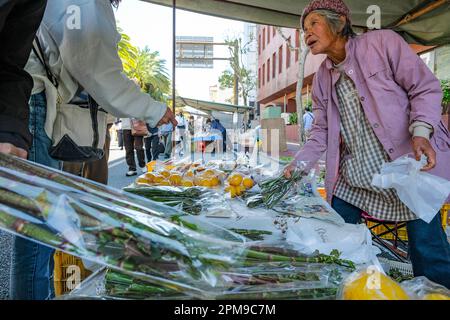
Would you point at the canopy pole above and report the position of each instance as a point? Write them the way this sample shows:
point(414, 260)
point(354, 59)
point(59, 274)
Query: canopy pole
point(415, 15)
point(174, 44)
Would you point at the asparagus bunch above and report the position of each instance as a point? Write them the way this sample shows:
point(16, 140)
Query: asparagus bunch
point(239, 284)
point(273, 190)
point(189, 199)
point(254, 235)
point(67, 181)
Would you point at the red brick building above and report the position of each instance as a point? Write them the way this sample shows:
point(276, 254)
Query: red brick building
point(278, 67)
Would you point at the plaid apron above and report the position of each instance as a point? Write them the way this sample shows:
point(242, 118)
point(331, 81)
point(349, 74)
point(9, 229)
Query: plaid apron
point(362, 156)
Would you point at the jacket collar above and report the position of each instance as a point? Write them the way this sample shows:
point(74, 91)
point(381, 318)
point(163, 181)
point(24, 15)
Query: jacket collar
point(349, 48)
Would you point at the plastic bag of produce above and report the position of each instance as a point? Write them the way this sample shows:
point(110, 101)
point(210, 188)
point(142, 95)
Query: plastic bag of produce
point(370, 283)
point(423, 193)
point(353, 241)
point(424, 289)
point(277, 188)
point(131, 234)
point(104, 226)
point(304, 202)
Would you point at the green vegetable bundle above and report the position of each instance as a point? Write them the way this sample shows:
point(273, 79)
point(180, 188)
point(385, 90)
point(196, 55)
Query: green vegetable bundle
point(188, 200)
point(262, 282)
point(273, 190)
point(142, 238)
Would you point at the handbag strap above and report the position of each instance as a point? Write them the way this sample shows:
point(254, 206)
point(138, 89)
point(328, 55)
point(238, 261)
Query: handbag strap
point(93, 108)
point(37, 49)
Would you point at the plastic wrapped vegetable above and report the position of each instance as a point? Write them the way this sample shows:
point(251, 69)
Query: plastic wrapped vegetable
point(139, 237)
point(273, 190)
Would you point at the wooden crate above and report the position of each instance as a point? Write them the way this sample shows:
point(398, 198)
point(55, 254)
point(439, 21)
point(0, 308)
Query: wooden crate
point(68, 273)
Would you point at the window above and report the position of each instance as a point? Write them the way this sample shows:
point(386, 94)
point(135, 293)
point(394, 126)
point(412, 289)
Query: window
point(297, 44)
point(263, 74)
point(264, 39)
point(274, 64)
point(288, 53)
point(259, 43)
point(259, 78)
point(268, 34)
point(280, 59)
point(268, 70)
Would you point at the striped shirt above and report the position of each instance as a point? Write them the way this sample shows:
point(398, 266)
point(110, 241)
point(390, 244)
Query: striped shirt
point(362, 156)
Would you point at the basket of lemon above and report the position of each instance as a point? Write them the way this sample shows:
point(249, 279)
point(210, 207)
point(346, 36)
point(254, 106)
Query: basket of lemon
point(237, 184)
point(182, 176)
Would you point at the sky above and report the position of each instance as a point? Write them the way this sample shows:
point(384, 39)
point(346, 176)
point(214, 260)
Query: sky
point(151, 25)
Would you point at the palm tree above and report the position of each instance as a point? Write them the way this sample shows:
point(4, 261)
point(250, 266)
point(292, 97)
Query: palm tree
point(127, 52)
point(146, 67)
point(151, 73)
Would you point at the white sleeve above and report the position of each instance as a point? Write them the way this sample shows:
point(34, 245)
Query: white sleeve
point(90, 55)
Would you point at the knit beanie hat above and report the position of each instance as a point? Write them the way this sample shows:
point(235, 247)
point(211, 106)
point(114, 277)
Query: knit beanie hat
point(337, 6)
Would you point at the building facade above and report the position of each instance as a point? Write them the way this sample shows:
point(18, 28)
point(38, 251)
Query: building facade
point(278, 65)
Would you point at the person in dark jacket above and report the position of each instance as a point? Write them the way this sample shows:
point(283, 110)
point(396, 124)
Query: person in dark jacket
point(215, 124)
point(19, 21)
point(152, 144)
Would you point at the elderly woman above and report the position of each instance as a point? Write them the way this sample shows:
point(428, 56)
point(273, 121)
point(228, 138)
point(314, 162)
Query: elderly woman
point(374, 101)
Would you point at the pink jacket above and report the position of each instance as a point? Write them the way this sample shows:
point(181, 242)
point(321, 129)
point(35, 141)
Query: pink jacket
point(395, 87)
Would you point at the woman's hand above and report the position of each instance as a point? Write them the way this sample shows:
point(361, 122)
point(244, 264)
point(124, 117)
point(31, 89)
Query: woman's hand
point(287, 172)
point(8, 148)
point(422, 146)
point(168, 117)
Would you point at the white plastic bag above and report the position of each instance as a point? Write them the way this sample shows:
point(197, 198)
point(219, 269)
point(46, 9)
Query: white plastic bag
point(423, 193)
point(353, 241)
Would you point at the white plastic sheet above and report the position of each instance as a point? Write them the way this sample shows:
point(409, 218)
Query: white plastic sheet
point(423, 193)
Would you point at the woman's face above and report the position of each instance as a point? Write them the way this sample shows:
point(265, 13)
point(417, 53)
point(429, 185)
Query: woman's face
point(318, 35)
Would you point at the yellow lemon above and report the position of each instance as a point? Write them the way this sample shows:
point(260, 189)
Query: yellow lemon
point(169, 167)
point(198, 181)
point(209, 172)
point(248, 183)
point(175, 179)
point(142, 180)
point(165, 173)
point(241, 189)
point(373, 285)
point(165, 183)
point(158, 178)
point(436, 296)
point(214, 181)
point(150, 176)
point(227, 189)
point(187, 183)
point(205, 182)
point(189, 174)
point(233, 191)
point(235, 179)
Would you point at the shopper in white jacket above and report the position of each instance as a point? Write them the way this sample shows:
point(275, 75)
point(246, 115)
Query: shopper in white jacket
point(80, 41)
